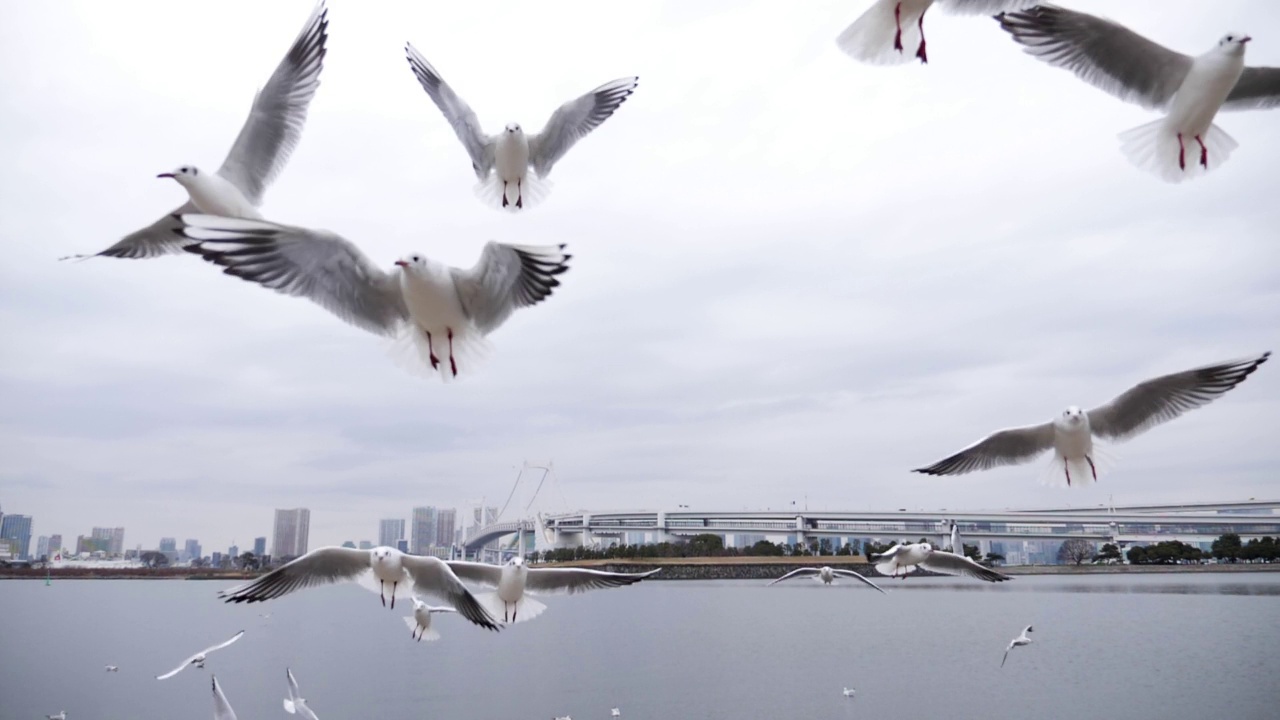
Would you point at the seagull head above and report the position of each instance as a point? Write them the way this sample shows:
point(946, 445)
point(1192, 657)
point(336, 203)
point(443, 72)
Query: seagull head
point(184, 174)
point(1234, 42)
point(516, 561)
point(380, 554)
point(514, 128)
point(925, 547)
point(1072, 416)
point(412, 261)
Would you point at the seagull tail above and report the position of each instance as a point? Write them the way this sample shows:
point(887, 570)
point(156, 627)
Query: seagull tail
point(411, 351)
point(513, 197)
point(870, 39)
point(289, 707)
point(1154, 148)
point(526, 609)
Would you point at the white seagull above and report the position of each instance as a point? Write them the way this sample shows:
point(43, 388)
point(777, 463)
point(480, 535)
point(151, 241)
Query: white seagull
point(615, 712)
point(380, 569)
point(502, 161)
point(849, 692)
point(221, 708)
point(515, 581)
point(882, 34)
point(295, 703)
point(1017, 642)
point(1071, 435)
point(420, 621)
point(1190, 90)
point(444, 312)
point(826, 574)
point(905, 558)
point(113, 668)
point(260, 152)
point(60, 716)
point(957, 546)
point(199, 658)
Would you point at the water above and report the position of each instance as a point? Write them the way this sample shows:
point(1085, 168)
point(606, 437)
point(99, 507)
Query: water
point(1149, 646)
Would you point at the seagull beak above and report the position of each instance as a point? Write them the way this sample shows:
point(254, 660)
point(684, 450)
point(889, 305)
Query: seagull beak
point(168, 175)
point(1245, 39)
point(402, 263)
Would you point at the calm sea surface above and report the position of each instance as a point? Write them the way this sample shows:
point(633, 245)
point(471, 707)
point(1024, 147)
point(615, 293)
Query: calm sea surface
point(1151, 646)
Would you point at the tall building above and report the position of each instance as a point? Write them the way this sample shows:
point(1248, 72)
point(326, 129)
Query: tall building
point(422, 533)
point(446, 521)
point(389, 531)
point(402, 545)
point(42, 547)
point(17, 530)
point(112, 539)
point(168, 545)
point(233, 552)
point(55, 544)
point(291, 533)
point(259, 547)
point(192, 550)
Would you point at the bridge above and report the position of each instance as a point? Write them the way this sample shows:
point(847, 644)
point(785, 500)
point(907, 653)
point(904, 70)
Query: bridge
point(1189, 522)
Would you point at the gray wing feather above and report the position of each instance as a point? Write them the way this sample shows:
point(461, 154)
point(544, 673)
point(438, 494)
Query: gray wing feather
point(952, 564)
point(984, 7)
point(158, 238)
point(323, 566)
point(279, 112)
point(573, 120)
point(1006, 447)
point(852, 574)
point(481, 573)
point(1103, 53)
point(793, 573)
point(318, 265)
point(1257, 89)
point(460, 115)
point(508, 277)
point(221, 708)
point(432, 576)
point(1164, 398)
point(576, 580)
point(294, 692)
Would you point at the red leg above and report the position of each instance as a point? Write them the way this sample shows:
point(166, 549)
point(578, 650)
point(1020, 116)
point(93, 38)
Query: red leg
point(382, 585)
point(1204, 153)
point(453, 365)
point(897, 18)
point(504, 194)
point(920, 53)
point(435, 361)
point(1066, 465)
point(1182, 153)
point(393, 594)
point(1092, 468)
point(520, 194)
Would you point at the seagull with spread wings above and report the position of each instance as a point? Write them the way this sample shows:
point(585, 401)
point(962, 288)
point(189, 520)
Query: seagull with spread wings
point(515, 581)
point(1072, 434)
point(199, 658)
point(905, 559)
point(1190, 90)
point(295, 703)
point(1019, 641)
point(420, 621)
point(502, 161)
point(221, 708)
point(825, 574)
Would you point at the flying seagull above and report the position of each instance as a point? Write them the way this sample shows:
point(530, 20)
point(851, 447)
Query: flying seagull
point(826, 574)
point(221, 708)
point(850, 692)
point(199, 658)
point(295, 703)
point(260, 152)
point(882, 34)
point(380, 569)
point(1190, 90)
point(904, 559)
point(515, 581)
point(1019, 641)
point(1071, 435)
point(113, 668)
point(502, 161)
point(420, 621)
point(60, 716)
point(444, 313)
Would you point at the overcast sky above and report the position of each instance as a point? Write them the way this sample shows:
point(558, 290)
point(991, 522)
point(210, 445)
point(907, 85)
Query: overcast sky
point(793, 274)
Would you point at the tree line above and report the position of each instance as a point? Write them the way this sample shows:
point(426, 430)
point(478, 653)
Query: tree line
point(1227, 548)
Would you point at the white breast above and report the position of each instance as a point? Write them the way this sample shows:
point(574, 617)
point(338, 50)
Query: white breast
point(511, 156)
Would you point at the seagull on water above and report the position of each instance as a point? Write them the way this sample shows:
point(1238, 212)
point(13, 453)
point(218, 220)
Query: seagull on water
point(60, 716)
point(1071, 435)
point(199, 658)
point(615, 712)
point(502, 161)
point(420, 621)
point(877, 36)
point(443, 313)
point(1019, 641)
point(380, 569)
point(1190, 90)
point(826, 574)
point(260, 152)
point(221, 708)
point(515, 581)
point(905, 558)
point(295, 703)
point(849, 692)
point(113, 668)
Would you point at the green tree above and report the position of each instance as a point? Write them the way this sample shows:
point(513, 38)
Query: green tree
point(994, 558)
point(153, 559)
point(706, 545)
point(248, 561)
point(1109, 551)
point(971, 552)
point(1137, 555)
point(1227, 547)
point(1075, 551)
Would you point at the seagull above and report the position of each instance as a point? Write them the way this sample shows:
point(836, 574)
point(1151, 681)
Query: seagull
point(445, 313)
point(826, 575)
point(848, 692)
point(1017, 642)
point(113, 668)
point(60, 716)
point(876, 37)
point(514, 581)
point(1071, 435)
point(221, 708)
point(615, 712)
point(502, 161)
point(420, 621)
point(387, 566)
point(199, 658)
point(905, 558)
point(295, 703)
point(957, 547)
point(260, 152)
point(1190, 90)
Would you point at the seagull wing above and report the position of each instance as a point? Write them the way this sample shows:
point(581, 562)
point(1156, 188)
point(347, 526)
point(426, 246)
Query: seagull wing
point(318, 265)
point(952, 564)
point(1006, 654)
point(279, 113)
point(1258, 88)
point(221, 645)
point(852, 574)
point(797, 571)
point(573, 120)
point(158, 238)
point(576, 580)
point(322, 566)
point(1103, 53)
point(432, 576)
point(206, 651)
point(460, 115)
point(983, 7)
point(221, 708)
point(481, 573)
point(294, 694)
point(508, 277)
point(1005, 447)
point(1156, 401)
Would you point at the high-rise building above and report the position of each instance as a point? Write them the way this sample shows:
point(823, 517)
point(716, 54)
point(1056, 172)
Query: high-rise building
point(215, 559)
point(233, 552)
point(402, 546)
point(446, 519)
point(349, 544)
point(112, 539)
point(17, 530)
point(389, 531)
point(55, 544)
point(168, 545)
point(42, 547)
point(259, 547)
point(191, 551)
point(366, 545)
point(291, 533)
point(422, 531)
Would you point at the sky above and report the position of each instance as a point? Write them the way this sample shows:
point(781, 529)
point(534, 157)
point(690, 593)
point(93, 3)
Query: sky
point(794, 278)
